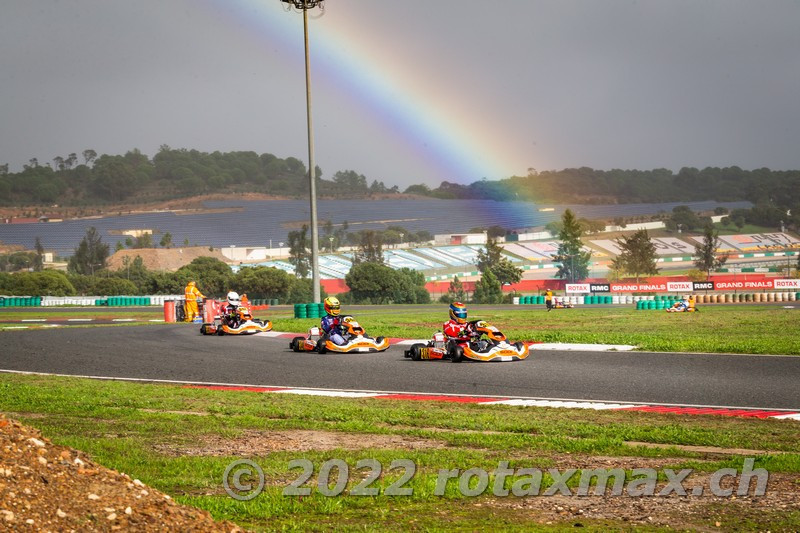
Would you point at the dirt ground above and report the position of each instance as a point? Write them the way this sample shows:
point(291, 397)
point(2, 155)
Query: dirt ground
point(44, 487)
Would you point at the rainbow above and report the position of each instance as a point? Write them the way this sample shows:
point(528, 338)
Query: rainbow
point(453, 147)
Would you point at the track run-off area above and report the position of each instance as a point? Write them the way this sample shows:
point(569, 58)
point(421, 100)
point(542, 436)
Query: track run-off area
point(179, 353)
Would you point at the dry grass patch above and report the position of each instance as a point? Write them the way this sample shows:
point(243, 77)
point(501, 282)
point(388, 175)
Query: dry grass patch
point(253, 443)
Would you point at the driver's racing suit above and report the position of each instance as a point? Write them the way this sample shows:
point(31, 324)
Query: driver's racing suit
point(229, 315)
point(456, 331)
point(461, 333)
point(330, 325)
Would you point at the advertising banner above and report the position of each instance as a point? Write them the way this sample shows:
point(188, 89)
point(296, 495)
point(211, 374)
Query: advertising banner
point(703, 285)
point(582, 288)
point(638, 287)
point(787, 284)
point(741, 285)
point(600, 287)
point(679, 286)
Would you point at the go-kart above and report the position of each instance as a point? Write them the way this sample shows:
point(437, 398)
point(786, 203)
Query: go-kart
point(681, 307)
point(495, 347)
point(240, 323)
point(561, 304)
point(356, 340)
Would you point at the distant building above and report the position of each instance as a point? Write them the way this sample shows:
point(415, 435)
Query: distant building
point(460, 238)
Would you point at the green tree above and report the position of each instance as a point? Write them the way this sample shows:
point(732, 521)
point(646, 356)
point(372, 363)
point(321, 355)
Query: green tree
point(299, 252)
point(134, 271)
point(491, 259)
point(573, 260)
point(370, 248)
point(90, 255)
point(349, 182)
point(372, 283)
point(38, 260)
point(683, 218)
point(488, 289)
point(638, 255)
point(706, 252)
point(44, 283)
point(410, 287)
point(213, 276)
point(264, 282)
point(114, 287)
point(16, 261)
point(166, 240)
point(144, 240)
point(114, 178)
point(455, 293)
point(302, 291)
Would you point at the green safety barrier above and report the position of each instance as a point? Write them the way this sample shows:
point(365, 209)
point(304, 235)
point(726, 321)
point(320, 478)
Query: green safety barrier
point(20, 301)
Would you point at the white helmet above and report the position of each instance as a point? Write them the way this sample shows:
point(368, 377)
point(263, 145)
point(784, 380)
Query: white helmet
point(233, 299)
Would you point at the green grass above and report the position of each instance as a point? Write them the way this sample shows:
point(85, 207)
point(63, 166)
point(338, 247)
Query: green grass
point(145, 431)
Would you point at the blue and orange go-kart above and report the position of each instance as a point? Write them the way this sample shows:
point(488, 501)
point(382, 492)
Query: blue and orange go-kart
point(356, 340)
point(484, 343)
point(239, 323)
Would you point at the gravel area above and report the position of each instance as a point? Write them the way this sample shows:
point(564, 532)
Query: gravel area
point(44, 487)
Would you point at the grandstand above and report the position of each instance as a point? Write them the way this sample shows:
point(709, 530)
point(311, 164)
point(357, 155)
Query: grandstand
point(442, 262)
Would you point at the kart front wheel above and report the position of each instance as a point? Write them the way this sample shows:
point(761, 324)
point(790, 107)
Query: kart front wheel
point(295, 344)
point(321, 346)
point(415, 355)
point(456, 354)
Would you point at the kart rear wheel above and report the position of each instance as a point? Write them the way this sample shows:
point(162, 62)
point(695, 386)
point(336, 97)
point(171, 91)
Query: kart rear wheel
point(519, 346)
point(456, 354)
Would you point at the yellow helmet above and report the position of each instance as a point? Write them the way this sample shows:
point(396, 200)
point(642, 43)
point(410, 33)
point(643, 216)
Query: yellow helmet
point(332, 305)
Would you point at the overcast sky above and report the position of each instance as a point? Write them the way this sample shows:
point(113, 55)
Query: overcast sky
point(409, 91)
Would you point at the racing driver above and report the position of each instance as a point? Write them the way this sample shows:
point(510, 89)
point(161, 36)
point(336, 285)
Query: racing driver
point(331, 321)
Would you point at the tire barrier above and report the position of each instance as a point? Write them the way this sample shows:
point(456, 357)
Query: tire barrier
point(20, 301)
point(85, 301)
point(310, 310)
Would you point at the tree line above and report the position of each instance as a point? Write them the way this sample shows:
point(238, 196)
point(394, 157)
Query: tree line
point(171, 173)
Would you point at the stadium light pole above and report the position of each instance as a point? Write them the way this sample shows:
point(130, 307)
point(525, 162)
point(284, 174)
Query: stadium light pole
point(304, 6)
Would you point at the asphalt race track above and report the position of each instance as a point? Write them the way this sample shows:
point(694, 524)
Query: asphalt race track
point(178, 352)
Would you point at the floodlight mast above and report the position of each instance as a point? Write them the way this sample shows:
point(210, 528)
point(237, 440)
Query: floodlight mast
point(304, 6)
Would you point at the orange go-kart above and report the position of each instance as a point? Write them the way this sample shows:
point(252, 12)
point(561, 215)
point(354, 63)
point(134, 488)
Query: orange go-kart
point(356, 340)
point(484, 343)
point(242, 323)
